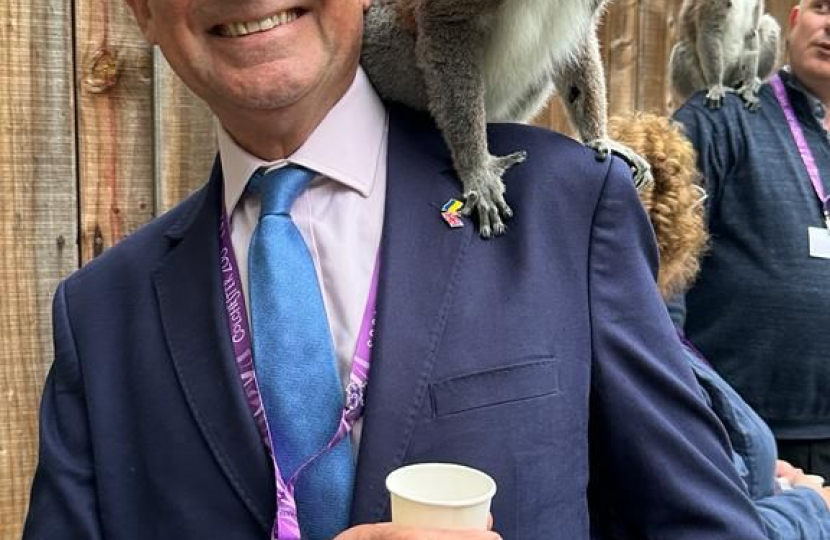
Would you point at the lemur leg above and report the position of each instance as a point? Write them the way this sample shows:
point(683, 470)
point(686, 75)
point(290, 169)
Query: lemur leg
point(447, 45)
point(709, 46)
point(445, 11)
point(388, 56)
point(684, 71)
point(769, 33)
point(750, 82)
point(582, 85)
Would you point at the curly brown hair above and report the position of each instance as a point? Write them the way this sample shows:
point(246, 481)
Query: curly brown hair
point(673, 201)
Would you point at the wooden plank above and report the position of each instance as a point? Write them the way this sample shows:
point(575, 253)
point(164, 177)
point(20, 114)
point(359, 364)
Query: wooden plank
point(658, 22)
point(620, 37)
point(672, 29)
point(616, 33)
point(115, 131)
point(38, 224)
point(185, 138)
point(780, 9)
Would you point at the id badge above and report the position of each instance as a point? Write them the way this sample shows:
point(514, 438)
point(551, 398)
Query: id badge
point(819, 242)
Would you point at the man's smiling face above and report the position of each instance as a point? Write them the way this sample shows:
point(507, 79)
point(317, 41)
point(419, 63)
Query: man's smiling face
point(254, 55)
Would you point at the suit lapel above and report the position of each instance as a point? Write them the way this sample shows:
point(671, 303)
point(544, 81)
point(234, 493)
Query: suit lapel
point(420, 261)
point(190, 301)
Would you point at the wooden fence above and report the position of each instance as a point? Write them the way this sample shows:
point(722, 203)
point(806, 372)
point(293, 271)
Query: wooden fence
point(97, 136)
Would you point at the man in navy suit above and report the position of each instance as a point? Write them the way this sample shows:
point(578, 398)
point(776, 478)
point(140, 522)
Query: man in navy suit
point(544, 357)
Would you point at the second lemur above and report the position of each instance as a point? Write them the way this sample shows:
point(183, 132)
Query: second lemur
point(723, 45)
point(472, 61)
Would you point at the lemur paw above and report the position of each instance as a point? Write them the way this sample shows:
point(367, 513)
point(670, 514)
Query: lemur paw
point(640, 168)
point(716, 95)
point(602, 147)
point(484, 193)
point(749, 93)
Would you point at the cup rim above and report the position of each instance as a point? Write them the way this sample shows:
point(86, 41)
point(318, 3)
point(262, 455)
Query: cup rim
point(471, 501)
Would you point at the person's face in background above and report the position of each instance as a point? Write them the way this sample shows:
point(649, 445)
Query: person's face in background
point(249, 58)
point(809, 40)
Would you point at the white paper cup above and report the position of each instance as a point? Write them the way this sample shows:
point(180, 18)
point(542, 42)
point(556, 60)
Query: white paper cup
point(440, 496)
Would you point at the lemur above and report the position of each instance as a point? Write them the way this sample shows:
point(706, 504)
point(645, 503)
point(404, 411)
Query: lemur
point(723, 45)
point(469, 62)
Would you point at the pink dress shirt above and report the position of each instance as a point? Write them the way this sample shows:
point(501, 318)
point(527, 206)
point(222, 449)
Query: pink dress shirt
point(340, 215)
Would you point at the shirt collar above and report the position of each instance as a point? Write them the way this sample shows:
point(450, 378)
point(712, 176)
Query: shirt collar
point(345, 147)
point(816, 106)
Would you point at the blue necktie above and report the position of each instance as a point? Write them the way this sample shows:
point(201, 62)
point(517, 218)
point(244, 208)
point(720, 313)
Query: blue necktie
point(295, 362)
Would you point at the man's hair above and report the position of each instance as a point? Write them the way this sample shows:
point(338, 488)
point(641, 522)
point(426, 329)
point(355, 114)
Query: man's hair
point(673, 201)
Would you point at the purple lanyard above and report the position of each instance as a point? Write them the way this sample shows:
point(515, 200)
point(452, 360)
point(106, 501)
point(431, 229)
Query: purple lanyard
point(801, 142)
point(286, 525)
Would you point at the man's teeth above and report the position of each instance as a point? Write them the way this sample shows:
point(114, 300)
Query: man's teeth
point(246, 28)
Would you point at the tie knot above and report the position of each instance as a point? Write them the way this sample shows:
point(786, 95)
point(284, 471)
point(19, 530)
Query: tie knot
point(279, 188)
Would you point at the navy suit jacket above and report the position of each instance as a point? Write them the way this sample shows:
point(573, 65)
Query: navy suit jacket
point(544, 357)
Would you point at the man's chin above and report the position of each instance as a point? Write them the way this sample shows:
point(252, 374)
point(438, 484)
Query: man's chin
point(261, 97)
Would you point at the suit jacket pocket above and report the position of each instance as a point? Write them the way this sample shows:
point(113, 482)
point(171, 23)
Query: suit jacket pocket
point(498, 386)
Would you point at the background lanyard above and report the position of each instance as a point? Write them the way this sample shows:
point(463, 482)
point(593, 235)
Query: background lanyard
point(801, 142)
point(286, 525)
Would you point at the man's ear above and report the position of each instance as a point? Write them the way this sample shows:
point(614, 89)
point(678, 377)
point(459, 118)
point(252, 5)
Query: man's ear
point(144, 18)
point(794, 13)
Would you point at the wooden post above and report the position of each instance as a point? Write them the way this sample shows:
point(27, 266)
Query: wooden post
point(185, 138)
point(38, 224)
point(658, 22)
point(115, 129)
point(621, 34)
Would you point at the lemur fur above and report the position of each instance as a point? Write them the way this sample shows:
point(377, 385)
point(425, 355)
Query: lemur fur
point(723, 45)
point(473, 61)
